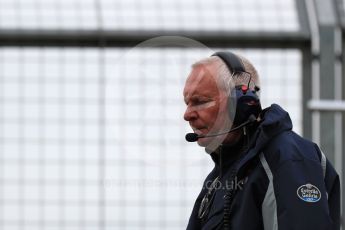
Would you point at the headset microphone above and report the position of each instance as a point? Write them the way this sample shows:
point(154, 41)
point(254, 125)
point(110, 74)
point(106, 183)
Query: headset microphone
point(192, 137)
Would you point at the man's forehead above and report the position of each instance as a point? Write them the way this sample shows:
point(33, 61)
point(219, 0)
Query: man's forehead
point(202, 71)
point(191, 88)
point(206, 90)
point(199, 81)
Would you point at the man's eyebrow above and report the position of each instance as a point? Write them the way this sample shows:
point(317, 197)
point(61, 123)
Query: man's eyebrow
point(200, 96)
point(196, 96)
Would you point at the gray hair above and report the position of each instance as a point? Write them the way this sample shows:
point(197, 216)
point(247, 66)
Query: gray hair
point(226, 80)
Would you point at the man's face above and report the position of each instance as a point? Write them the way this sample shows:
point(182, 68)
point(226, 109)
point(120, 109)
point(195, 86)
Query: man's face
point(206, 103)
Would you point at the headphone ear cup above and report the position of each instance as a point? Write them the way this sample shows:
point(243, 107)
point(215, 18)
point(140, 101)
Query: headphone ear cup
point(241, 105)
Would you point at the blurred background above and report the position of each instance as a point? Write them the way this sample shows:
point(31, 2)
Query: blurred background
point(91, 107)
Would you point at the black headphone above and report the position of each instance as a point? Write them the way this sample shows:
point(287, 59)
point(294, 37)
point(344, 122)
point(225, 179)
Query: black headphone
point(243, 101)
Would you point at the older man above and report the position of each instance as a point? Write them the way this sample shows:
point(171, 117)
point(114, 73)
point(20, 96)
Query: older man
point(265, 175)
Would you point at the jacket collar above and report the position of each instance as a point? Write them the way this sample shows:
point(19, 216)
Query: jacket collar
point(274, 120)
point(226, 154)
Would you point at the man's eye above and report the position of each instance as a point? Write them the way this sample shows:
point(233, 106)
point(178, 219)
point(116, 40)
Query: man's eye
point(199, 102)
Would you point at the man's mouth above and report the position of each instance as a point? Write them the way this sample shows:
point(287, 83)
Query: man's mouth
point(199, 130)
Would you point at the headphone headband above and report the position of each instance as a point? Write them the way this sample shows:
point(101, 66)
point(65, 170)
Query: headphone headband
point(231, 60)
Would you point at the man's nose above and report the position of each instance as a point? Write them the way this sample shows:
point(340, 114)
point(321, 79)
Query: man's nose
point(190, 114)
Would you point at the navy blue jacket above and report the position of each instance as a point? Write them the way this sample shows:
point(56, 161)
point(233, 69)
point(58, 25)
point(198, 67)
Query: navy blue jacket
point(281, 182)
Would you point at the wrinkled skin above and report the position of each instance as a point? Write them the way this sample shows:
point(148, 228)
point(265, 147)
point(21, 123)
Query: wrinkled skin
point(206, 102)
